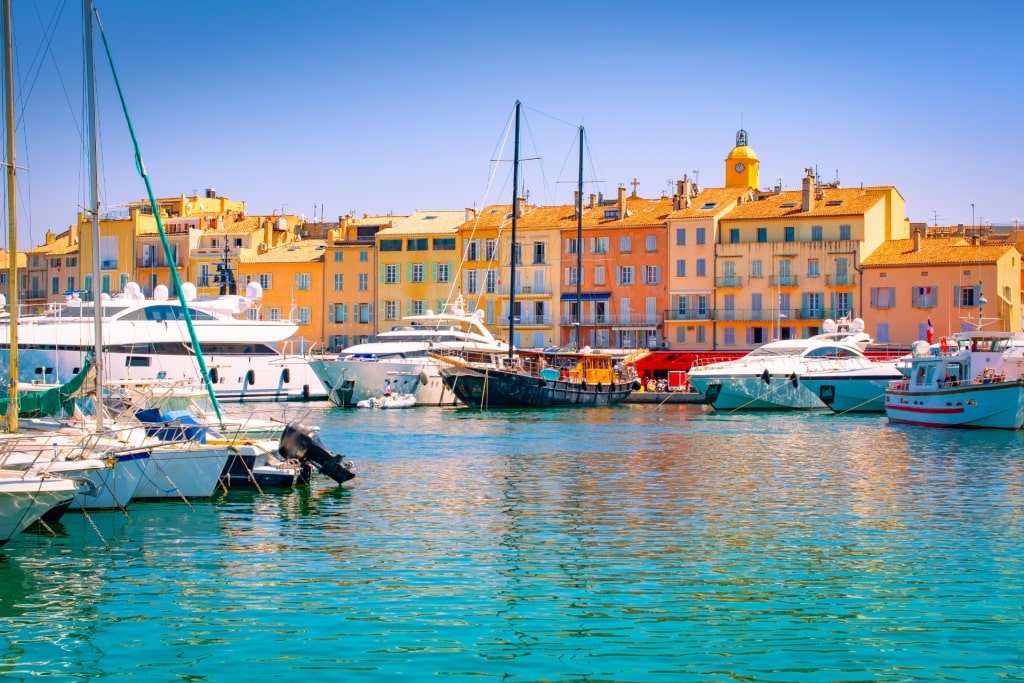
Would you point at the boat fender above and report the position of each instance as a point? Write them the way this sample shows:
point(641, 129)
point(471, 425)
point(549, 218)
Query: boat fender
point(599, 388)
point(214, 375)
point(286, 375)
point(423, 377)
point(637, 384)
point(305, 392)
point(583, 385)
point(541, 383)
point(250, 377)
point(794, 380)
point(766, 376)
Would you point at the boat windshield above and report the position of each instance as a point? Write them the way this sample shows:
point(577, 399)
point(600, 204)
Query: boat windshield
point(418, 336)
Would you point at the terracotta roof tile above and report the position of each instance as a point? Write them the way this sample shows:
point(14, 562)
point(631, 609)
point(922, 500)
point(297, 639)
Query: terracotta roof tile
point(300, 251)
point(833, 202)
point(934, 250)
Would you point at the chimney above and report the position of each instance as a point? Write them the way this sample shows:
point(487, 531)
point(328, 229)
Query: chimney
point(593, 200)
point(975, 240)
point(575, 203)
point(470, 214)
point(50, 237)
point(521, 208)
point(917, 239)
point(808, 193)
point(622, 201)
point(687, 191)
point(73, 234)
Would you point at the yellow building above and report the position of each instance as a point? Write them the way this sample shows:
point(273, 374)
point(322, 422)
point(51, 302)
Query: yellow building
point(950, 281)
point(417, 264)
point(117, 250)
point(51, 270)
point(291, 276)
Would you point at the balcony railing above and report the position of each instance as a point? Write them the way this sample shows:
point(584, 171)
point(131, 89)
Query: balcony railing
point(526, 289)
point(726, 281)
point(783, 280)
point(845, 280)
point(688, 315)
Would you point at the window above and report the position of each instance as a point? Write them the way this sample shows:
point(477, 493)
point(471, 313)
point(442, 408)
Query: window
point(419, 307)
point(924, 297)
point(391, 245)
point(790, 233)
point(55, 286)
point(729, 336)
point(680, 237)
point(417, 244)
point(491, 283)
point(473, 250)
point(701, 334)
point(681, 267)
point(883, 297)
point(625, 244)
point(812, 305)
point(611, 213)
point(844, 232)
point(266, 280)
point(339, 282)
point(812, 268)
point(762, 235)
point(652, 275)
point(702, 305)
point(625, 275)
point(472, 281)
point(444, 272)
point(599, 245)
point(756, 268)
point(364, 257)
point(701, 267)
point(816, 235)
point(340, 313)
point(681, 307)
point(108, 253)
point(364, 282)
point(966, 296)
point(571, 246)
point(305, 315)
point(701, 235)
point(444, 244)
point(599, 276)
point(390, 274)
point(538, 252)
point(517, 253)
point(417, 272)
point(491, 249)
point(734, 235)
point(391, 310)
point(365, 313)
point(273, 314)
point(302, 281)
point(338, 256)
point(652, 243)
point(571, 274)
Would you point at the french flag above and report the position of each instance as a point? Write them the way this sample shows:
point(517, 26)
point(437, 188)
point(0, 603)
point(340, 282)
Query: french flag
point(931, 330)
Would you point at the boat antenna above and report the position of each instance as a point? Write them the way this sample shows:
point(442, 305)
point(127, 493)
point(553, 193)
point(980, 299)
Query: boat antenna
point(175, 280)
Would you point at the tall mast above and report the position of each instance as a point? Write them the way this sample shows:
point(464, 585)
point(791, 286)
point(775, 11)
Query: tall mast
point(94, 201)
point(12, 216)
point(579, 248)
point(512, 267)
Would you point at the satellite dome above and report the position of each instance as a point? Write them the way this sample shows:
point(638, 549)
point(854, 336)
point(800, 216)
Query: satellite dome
point(829, 326)
point(188, 290)
point(858, 324)
point(160, 293)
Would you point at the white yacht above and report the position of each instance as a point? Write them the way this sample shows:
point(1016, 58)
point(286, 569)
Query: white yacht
point(27, 496)
point(406, 357)
point(769, 377)
point(852, 388)
point(148, 339)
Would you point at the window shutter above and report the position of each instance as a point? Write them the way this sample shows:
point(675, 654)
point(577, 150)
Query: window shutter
point(383, 273)
point(433, 271)
point(956, 296)
point(892, 297)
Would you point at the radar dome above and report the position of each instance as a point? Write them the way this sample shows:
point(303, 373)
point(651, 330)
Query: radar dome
point(3, 301)
point(858, 324)
point(160, 293)
point(189, 291)
point(829, 326)
point(920, 349)
point(253, 290)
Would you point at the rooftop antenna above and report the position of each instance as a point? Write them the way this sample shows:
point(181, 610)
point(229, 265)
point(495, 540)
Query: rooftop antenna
point(696, 176)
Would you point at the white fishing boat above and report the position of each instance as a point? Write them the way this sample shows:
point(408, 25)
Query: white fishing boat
point(976, 380)
point(768, 378)
point(402, 357)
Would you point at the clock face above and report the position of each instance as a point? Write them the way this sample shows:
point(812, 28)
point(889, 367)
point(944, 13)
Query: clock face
point(739, 167)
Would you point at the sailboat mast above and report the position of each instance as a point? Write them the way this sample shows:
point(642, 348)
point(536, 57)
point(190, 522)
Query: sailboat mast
point(512, 266)
point(12, 216)
point(579, 247)
point(94, 200)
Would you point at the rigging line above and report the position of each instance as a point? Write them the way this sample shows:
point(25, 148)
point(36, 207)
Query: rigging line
point(140, 166)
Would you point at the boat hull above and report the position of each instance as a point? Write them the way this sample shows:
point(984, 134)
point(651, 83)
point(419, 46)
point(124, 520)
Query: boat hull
point(850, 394)
point(238, 378)
point(26, 498)
point(347, 382)
point(997, 405)
point(755, 393)
point(182, 471)
point(492, 388)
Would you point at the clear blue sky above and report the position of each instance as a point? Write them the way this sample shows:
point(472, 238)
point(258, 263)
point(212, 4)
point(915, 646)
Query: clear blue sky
point(388, 107)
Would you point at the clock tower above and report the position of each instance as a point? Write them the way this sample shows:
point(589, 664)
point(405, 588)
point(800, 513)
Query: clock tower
point(741, 166)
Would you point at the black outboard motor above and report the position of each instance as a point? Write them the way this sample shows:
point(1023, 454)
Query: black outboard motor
point(303, 443)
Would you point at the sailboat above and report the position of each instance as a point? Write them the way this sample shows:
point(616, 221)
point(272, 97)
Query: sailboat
point(568, 377)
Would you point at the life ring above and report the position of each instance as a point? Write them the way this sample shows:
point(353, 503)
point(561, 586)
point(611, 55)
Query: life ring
point(947, 345)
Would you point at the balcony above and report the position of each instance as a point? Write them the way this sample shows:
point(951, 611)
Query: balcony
point(527, 290)
point(844, 280)
point(783, 280)
point(530, 321)
point(585, 320)
point(727, 281)
point(688, 315)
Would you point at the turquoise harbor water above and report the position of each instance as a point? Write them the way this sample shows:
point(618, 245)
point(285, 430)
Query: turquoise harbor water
point(636, 543)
